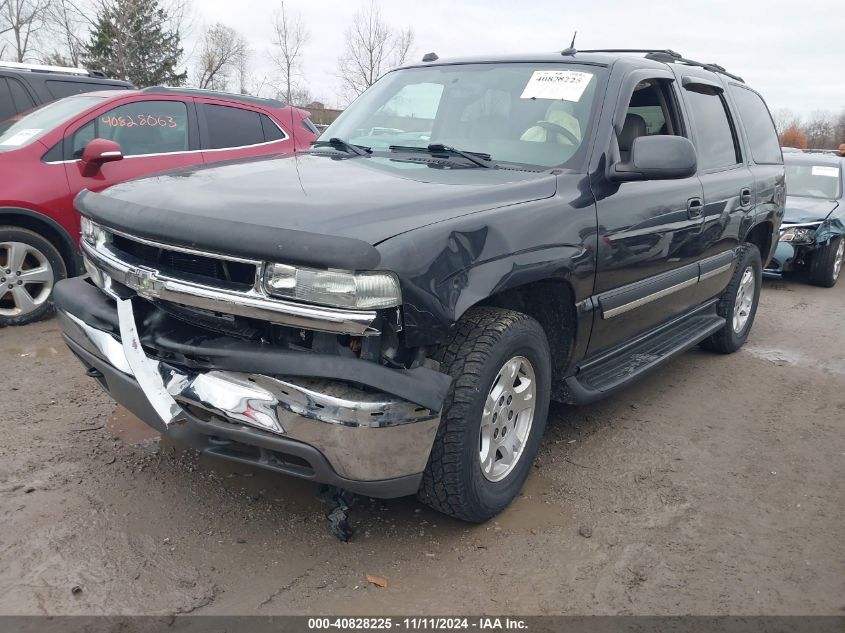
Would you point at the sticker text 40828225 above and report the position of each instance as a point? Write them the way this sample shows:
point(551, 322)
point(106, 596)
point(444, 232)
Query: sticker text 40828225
point(139, 120)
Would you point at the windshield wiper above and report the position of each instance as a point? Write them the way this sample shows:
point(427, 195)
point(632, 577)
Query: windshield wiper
point(477, 158)
point(339, 143)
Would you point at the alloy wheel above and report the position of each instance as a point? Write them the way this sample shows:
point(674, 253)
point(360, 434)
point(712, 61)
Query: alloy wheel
point(837, 262)
point(26, 279)
point(744, 300)
point(507, 418)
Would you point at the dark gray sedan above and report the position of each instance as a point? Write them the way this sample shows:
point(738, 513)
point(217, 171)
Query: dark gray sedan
point(811, 236)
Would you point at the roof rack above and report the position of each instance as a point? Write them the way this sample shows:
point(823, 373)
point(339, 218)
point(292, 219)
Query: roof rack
point(216, 93)
point(44, 68)
point(667, 56)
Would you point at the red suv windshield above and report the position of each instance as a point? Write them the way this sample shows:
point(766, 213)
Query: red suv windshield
point(18, 132)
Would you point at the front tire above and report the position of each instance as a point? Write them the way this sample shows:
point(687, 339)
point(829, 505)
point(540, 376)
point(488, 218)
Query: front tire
point(30, 266)
point(494, 414)
point(826, 263)
point(738, 303)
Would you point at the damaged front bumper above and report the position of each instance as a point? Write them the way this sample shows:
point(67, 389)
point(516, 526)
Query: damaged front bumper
point(355, 434)
point(794, 250)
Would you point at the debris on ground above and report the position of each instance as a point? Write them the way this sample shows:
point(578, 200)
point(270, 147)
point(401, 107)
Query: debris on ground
point(338, 516)
point(76, 589)
point(585, 531)
point(378, 581)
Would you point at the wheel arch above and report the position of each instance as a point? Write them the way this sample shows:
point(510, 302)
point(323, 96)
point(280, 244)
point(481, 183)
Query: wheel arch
point(762, 236)
point(47, 227)
point(551, 302)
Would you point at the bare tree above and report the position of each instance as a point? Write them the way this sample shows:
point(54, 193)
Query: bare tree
point(3, 27)
point(784, 119)
point(67, 25)
point(22, 18)
point(223, 53)
point(289, 39)
point(243, 77)
point(820, 130)
point(301, 97)
point(371, 48)
point(840, 128)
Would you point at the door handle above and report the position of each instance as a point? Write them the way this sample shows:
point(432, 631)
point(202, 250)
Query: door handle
point(745, 197)
point(695, 207)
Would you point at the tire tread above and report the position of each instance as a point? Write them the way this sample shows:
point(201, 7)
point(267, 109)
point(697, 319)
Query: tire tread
point(463, 357)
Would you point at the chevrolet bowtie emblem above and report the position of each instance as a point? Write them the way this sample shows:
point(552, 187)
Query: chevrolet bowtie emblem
point(146, 282)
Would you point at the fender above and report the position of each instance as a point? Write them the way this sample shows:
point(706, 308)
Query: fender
point(448, 267)
point(469, 287)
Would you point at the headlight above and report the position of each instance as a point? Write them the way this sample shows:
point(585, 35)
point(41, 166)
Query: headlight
point(798, 234)
point(341, 289)
point(93, 233)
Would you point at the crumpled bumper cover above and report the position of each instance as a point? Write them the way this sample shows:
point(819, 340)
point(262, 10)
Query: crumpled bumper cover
point(320, 427)
point(783, 259)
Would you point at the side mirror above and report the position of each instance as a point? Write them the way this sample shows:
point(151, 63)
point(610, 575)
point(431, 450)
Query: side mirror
point(661, 157)
point(97, 152)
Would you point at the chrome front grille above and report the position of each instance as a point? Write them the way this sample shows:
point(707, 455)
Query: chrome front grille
point(198, 266)
point(210, 282)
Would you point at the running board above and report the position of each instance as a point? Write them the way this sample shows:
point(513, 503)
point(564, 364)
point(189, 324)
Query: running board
point(598, 378)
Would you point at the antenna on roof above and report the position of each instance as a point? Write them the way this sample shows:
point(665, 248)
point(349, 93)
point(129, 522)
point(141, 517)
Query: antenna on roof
point(571, 50)
point(430, 57)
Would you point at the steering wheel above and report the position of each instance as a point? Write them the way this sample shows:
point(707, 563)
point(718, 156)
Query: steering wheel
point(559, 129)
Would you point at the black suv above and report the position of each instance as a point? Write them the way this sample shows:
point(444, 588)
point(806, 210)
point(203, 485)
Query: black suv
point(24, 86)
point(392, 310)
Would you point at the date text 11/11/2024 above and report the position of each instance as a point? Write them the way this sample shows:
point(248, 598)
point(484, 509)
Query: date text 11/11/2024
point(418, 624)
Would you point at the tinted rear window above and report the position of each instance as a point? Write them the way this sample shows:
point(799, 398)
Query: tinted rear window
point(715, 137)
point(271, 130)
point(20, 96)
point(60, 88)
point(758, 124)
point(232, 127)
point(14, 98)
point(7, 106)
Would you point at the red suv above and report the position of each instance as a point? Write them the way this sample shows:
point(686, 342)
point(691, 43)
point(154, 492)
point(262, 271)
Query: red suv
point(98, 139)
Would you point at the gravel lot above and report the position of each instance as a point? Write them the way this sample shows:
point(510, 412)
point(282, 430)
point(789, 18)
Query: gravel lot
point(713, 486)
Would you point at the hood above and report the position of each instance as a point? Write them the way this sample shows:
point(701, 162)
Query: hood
point(800, 209)
point(257, 208)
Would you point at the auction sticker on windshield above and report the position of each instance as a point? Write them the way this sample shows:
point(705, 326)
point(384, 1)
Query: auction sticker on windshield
point(21, 137)
point(823, 170)
point(568, 85)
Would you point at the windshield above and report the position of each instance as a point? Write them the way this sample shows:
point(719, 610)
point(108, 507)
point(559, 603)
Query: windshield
point(526, 113)
point(813, 181)
point(22, 130)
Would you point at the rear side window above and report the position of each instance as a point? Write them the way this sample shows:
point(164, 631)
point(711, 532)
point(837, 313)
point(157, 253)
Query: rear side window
point(272, 132)
point(758, 124)
point(7, 105)
point(20, 96)
point(232, 127)
point(14, 98)
point(59, 89)
point(308, 124)
point(717, 146)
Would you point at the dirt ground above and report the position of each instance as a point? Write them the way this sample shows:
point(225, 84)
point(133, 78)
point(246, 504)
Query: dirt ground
point(714, 486)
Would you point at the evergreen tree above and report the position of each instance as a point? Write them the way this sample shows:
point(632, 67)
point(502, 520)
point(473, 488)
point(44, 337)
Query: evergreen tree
point(134, 40)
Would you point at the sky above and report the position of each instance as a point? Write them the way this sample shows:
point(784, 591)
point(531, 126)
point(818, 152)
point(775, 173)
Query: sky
point(792, 52)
